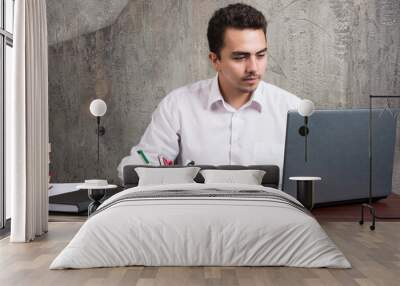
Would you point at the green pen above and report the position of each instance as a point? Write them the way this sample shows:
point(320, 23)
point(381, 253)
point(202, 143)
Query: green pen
point(141, 154)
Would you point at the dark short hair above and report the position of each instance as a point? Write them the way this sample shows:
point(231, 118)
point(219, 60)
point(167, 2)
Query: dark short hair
point(238, 16)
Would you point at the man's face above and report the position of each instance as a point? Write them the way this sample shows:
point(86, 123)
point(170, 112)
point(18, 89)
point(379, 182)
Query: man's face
point(243, 59)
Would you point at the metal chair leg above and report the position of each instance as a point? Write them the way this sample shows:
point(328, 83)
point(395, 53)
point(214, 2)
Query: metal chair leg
point(372, 210)
point(361, 222)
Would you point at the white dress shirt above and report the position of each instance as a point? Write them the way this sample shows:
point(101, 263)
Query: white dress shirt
point(196, 123)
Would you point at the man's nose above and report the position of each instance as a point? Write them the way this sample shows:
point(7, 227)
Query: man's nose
point(251, 64)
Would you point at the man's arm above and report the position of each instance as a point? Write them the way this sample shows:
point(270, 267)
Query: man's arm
point(160, 138)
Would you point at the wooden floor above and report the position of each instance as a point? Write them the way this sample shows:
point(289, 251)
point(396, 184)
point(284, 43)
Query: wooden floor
point(388, 207)
point(375, 257)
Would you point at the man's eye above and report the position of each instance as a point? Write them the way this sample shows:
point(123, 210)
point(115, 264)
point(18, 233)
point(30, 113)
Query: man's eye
point(239, 58)
point(261, 55)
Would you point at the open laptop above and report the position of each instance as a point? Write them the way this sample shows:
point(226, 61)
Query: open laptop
point(338, 153)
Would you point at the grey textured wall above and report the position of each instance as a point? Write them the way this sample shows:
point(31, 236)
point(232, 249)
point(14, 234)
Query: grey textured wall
point(132, 53)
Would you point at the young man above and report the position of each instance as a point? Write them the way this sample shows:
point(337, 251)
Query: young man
point(234, 118)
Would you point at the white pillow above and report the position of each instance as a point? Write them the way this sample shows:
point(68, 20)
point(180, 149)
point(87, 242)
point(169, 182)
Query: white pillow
point(164, 176)
point(248, 177)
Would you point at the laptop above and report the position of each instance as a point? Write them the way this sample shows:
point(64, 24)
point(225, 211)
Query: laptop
point(338, 152)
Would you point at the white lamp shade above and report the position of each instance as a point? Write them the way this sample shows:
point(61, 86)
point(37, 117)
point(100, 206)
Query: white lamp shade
point(306, 107)
point(98, 107)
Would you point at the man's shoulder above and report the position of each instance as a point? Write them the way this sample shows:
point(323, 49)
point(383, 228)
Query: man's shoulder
point(276, 93)
point(193, 94)
point(192, 89)
point(275, 90)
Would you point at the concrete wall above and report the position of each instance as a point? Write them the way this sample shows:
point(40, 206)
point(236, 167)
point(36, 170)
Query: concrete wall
point(334, 52)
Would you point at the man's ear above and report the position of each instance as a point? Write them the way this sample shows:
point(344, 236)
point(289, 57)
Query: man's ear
point(214, 60)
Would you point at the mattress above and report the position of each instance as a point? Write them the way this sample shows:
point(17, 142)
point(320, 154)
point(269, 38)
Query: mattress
point(201, 225)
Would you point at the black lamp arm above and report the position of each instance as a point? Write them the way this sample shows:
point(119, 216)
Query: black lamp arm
point(304, 131)
point(100, 129)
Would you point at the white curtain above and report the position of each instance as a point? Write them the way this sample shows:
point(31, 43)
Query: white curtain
point(27, 124)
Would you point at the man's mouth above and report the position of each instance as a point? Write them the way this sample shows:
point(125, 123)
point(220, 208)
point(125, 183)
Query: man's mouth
point(251, 79)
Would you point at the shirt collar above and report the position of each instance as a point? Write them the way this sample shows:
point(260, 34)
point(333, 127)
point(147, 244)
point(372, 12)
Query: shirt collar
point(256, 100)
point(215, 93)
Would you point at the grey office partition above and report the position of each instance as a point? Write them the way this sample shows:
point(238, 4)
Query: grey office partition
point(338, 152)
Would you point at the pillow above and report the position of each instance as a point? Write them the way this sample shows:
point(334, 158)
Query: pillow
point(164, 176)
point(248, 177)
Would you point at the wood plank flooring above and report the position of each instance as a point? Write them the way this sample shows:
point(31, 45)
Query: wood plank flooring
point(388, 207)
point(375, 257)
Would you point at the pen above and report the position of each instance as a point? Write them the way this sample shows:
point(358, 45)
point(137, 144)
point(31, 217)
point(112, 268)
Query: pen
point(141, 154)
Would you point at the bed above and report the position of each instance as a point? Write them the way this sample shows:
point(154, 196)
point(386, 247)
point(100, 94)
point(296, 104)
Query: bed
point(201, 224)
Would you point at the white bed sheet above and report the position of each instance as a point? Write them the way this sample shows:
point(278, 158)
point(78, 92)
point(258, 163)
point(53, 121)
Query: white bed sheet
point(200, 231)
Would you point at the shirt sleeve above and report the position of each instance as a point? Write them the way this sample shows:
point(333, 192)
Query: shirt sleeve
point(293, 101)
point(162, 135)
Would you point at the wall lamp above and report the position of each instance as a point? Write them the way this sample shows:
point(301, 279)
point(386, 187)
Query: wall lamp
point(306, 109)
point(98, 108)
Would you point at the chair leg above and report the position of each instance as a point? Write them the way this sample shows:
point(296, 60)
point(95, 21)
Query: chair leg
point(372, 210)
point(361, 222)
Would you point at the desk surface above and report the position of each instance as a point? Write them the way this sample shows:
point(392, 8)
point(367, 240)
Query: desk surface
point(305, 178)
point(62, 188)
